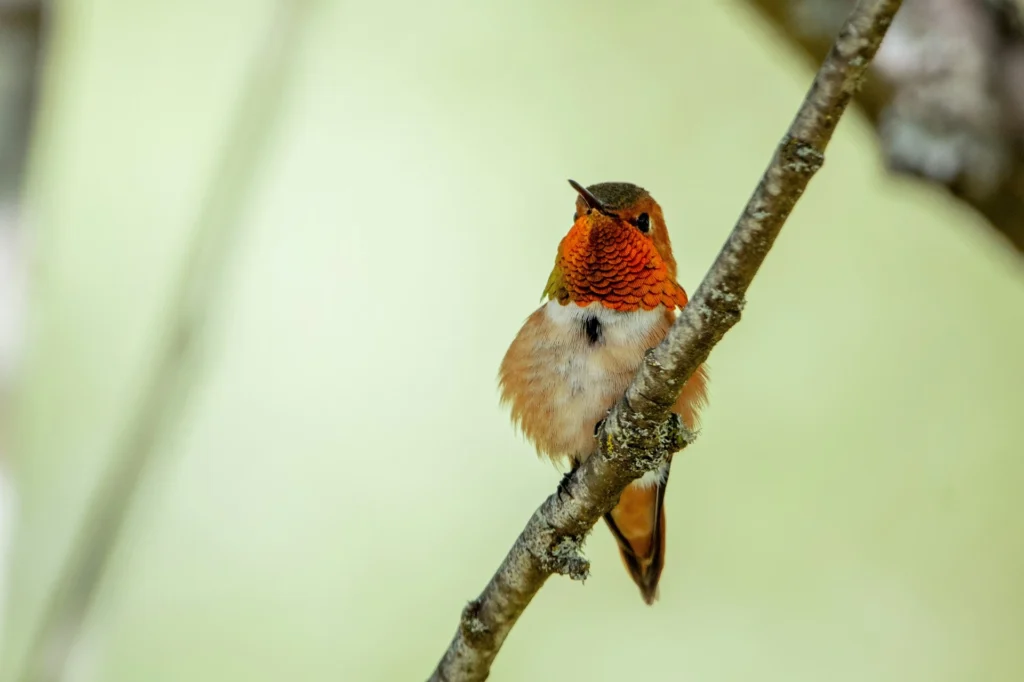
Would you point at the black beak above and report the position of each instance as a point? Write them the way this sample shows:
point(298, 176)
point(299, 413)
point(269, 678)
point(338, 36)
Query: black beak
point(590, 199)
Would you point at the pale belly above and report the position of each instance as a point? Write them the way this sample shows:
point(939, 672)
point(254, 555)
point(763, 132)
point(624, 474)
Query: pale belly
point(568, 366)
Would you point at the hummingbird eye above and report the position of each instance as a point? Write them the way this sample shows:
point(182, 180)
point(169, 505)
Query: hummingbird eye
point(643, 223)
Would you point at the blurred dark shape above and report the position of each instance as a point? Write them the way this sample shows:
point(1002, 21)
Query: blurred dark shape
point(21, 30)
point(946, 94)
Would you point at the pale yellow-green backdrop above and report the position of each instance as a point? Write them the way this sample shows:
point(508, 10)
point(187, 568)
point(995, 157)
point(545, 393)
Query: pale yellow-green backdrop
point(343, 480)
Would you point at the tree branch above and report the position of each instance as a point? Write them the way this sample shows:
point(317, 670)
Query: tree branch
point(640, 431)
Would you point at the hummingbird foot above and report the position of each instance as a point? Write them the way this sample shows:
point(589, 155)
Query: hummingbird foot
point(645, 450)
point(676, 434)
point(563, 485)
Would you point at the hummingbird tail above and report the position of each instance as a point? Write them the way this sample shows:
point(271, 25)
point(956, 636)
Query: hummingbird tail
point(638, 524)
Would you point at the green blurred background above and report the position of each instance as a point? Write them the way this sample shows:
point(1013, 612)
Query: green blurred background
point(342, 480)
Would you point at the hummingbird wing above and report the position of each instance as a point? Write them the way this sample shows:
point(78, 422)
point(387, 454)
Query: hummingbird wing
point(555, 288)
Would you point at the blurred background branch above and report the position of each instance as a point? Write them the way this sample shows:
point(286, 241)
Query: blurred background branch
point(946, 94)
point(21, 45)
point(174, 365)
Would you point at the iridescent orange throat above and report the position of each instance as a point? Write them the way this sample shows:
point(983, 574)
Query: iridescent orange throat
point(614, 264)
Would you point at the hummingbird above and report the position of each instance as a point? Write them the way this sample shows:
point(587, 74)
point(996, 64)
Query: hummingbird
point(611, 296)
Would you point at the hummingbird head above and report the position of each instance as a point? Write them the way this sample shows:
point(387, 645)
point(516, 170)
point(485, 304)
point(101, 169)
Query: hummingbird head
point(617, 252)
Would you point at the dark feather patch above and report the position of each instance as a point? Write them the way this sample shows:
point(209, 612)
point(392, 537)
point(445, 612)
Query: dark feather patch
point(592, 328)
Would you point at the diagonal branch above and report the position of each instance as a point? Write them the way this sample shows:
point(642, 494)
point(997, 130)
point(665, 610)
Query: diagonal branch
point(640, 431)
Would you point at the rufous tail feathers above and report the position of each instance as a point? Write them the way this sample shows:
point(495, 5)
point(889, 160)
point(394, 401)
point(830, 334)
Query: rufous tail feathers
point(638, 524)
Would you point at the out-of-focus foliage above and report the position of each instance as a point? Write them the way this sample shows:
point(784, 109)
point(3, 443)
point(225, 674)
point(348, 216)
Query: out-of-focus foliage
point(342, 480)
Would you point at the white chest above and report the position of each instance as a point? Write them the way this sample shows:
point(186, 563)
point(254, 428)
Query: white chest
point(567, 367)
point(593, 330)
point(598, 351)
point(589, 357)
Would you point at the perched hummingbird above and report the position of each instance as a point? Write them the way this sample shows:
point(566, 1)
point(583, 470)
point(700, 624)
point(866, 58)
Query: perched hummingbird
point(611, 296)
